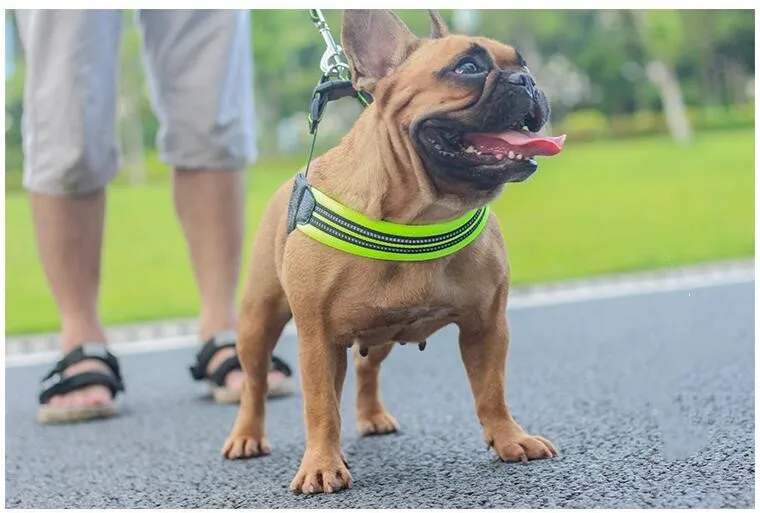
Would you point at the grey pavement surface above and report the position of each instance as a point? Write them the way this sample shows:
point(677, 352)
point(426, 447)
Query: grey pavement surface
point(649, 399)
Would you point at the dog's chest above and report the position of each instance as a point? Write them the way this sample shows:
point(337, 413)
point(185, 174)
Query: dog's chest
point(413, 324)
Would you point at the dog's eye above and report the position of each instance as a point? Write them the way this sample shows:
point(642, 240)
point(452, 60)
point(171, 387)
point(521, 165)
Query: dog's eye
point(467, 67)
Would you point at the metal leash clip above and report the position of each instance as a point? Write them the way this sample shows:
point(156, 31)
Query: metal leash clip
point(334, 62)
point(335, 82)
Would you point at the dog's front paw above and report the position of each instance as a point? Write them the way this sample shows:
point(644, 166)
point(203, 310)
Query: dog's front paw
point(514, 444)
point(379, 423)
point(322, 474)
point(243, 446)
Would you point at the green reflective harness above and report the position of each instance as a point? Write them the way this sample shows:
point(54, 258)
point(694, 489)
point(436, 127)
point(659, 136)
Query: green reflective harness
point(325, 220)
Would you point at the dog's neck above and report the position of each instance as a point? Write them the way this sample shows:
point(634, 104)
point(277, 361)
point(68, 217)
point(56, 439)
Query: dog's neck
point(376, 171)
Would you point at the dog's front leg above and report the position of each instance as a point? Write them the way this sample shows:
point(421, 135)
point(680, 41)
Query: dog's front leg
point(323, 369)
point(484, 352)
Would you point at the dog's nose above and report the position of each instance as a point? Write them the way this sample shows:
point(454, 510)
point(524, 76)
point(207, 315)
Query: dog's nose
point(521, 79)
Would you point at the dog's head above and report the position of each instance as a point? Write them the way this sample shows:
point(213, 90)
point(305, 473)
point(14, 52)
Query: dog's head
point(468, 105)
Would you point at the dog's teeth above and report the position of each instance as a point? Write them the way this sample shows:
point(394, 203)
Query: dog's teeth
point(499, 156)
point(519, 157)
point(511, 154)
point(525, 129)
point(470, 149)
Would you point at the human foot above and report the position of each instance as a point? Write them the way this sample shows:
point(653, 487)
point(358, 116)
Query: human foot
point(81, 386)
point(278, 379)
point(220, 365)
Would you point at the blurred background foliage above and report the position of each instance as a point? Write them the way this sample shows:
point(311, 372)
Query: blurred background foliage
point(658, 170)
point(608, 73)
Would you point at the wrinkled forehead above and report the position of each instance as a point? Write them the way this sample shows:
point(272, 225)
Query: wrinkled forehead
point(441, 52)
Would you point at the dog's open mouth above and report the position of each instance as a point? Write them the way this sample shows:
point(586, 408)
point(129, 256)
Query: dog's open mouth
point(512, 144)
point(491, 148)
point(486, 158)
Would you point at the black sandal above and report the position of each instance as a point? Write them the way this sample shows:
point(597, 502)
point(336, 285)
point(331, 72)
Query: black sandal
point(56, 383)
point(217, 378)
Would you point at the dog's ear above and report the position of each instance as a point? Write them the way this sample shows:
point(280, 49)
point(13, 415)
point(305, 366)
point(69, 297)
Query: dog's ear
point(440, 28)
point(376, 42)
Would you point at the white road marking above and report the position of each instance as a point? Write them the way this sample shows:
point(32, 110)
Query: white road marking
point(138, 347)
point(632, 287)
point(536, 298)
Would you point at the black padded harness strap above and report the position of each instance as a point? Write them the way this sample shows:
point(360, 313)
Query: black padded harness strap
point(301, 204)
point(55, 383)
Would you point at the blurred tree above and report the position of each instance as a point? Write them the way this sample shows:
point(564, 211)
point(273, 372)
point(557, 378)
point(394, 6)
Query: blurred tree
point(14, 93)
point(725, 42)
point(662, 35)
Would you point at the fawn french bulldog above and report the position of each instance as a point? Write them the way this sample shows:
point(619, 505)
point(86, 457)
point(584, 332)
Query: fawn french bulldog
point(390, 238)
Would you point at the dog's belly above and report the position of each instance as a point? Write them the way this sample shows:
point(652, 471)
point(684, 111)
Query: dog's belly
point(407, 325)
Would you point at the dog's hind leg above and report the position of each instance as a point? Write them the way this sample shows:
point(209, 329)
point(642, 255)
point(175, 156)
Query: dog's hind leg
point(371, 416)
point(258, 332)
point(483, 345)
point(263, 315)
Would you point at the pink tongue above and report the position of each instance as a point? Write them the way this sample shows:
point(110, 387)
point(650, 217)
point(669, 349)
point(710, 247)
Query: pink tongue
point(526, 143)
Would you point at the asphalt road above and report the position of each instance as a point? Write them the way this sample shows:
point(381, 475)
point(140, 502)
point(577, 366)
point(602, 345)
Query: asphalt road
point(649, 399)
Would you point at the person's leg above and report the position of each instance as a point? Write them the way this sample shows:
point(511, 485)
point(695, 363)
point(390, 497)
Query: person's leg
point(70, 154)
point(210, 207)
point(200, 75)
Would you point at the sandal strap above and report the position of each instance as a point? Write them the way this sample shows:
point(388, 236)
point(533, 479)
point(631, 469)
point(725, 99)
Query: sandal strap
point(207, 352)
point(232, 363)
point(280, 366)
point(219, 375)
point(55, 383)
point(88, 351)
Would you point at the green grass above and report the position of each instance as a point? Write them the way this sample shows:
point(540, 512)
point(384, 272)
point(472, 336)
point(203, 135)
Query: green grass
point(597, 208)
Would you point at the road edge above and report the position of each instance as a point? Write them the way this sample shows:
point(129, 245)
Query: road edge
point(177, 333)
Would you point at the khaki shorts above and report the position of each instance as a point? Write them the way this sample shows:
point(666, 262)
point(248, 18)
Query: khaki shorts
point(199, 72)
